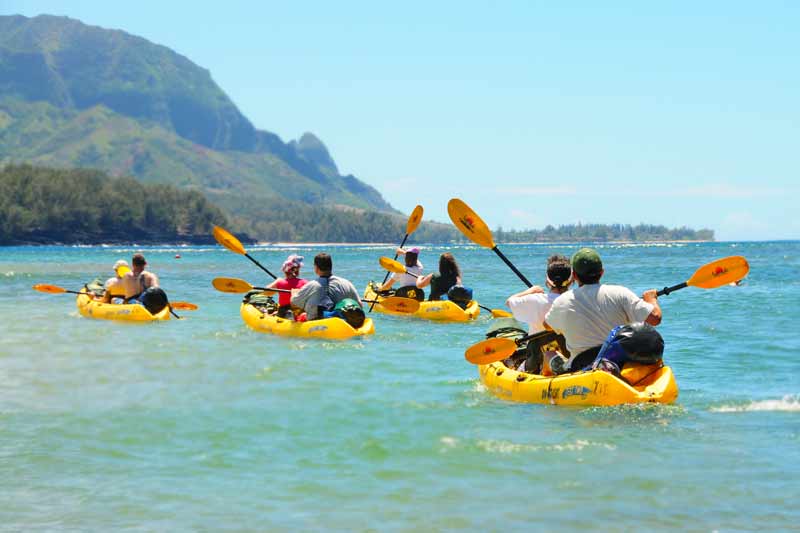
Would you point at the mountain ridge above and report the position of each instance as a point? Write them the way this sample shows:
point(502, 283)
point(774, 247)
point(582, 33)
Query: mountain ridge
point(67, 87)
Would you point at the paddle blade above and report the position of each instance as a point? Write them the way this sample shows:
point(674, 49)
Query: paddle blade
point(490, 351)
point(414, 220)
point(228, 241)
point(232, 285)
point(398, 304)
point(51, 289)
point(391, 265)
point(720, 272)
point(499, 313)
point(469, 223)
point(183, 306)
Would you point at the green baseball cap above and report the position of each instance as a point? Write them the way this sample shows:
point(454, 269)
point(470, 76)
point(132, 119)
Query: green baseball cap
point(586, 261)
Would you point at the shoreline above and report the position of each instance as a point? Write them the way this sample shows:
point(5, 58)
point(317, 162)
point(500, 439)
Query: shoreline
point(211, 242)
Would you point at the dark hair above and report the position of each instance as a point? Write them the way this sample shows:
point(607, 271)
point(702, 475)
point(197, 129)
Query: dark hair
point(323, 262)
point(411, 259)
point(559, 270)
point(589, 279)
point(138, 259)
point(448, 265)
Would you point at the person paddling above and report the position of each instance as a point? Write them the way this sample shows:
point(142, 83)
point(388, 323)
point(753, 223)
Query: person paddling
point(138, 280)
point(586, 314)
point(291, 269)
point(441, 282)
point(531, 305)
point(407, 281)
point(320, 297)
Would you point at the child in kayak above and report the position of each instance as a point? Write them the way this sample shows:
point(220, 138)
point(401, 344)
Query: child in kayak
point(113, 285)
point(291, 269)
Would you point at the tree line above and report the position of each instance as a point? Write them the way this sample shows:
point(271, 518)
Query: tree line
point(604, 233)
point(45, 205)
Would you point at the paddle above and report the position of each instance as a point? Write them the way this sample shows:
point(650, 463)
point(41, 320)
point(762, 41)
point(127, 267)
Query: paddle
point(715, 274)
point(476, 230)
point(411, 226)
point(497, 349)
point(55, 289)
point(232, 243)
point(235, 285)
point(710, 276)
point(496, 313)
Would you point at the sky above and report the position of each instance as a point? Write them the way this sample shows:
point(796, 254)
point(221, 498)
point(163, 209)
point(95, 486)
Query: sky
point(534, 113)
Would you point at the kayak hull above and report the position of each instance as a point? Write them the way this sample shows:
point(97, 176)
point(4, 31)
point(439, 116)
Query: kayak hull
point(326, 328)
point(641, 384)
point(92, 308)
point(438, 310)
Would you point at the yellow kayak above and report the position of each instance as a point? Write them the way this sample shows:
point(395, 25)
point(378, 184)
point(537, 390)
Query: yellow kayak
point(640, 384)
point(92, 308)
point(326, 328)
point(441, 310)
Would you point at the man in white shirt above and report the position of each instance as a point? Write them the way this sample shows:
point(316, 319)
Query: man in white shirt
point(586, 314)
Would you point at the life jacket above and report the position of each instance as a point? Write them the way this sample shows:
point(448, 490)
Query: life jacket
point(325, 301)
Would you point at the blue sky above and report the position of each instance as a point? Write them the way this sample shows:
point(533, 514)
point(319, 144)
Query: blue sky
point(534, 113)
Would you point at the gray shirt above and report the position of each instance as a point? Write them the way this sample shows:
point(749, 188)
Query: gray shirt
point(585, 315)
point(312, 294)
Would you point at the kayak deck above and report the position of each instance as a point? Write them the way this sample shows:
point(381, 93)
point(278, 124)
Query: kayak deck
point(91, 308)
point(640, 384)
point(439, 310)
point(326, 328)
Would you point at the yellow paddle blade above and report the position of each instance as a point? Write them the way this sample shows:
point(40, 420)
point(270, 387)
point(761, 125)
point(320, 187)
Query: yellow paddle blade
point(469, 223)
point(720, 272)
point(232, 285)
point(228, 241)
point(51, 289)
point(414, 220)
point(183, 306)
point(499, 313)
point(391, 265)
point(399, 304)
point(490, 351)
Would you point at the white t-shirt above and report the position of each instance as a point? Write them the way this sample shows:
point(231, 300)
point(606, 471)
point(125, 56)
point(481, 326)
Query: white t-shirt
point(585, 315)
point(404, 280)
point(532, 309)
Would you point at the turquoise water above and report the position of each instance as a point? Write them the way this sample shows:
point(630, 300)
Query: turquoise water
point(202, 424)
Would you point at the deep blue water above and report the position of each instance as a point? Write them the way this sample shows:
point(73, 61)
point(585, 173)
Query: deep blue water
point(202, 424)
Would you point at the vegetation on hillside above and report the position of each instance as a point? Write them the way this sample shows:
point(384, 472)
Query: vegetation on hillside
point(73, 95)
point(43, 205)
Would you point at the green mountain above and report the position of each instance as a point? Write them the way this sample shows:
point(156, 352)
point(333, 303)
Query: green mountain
point(73, 95)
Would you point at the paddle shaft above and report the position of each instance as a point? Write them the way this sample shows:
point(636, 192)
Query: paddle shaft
point(396, 255)
point(262, 267)
point(512, 267)
point(667, 290)
point(265, 289)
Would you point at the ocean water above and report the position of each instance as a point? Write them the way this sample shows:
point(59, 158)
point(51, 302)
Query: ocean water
point(202, 424)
